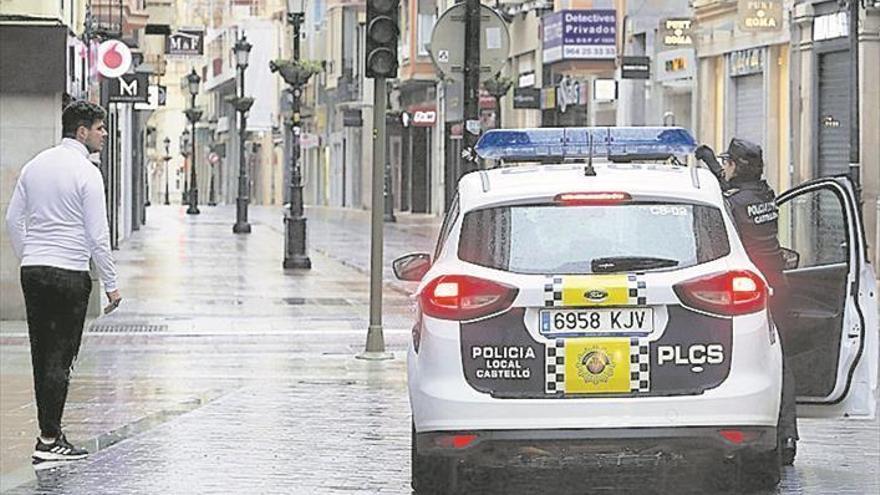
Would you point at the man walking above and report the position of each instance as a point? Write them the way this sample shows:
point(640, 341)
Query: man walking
point(57, 220)
point(753, 204)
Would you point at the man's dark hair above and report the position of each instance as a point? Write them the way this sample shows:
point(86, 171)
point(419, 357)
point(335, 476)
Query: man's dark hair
point(80, 113)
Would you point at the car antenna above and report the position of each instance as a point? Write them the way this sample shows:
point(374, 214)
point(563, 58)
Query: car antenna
point(589, 171)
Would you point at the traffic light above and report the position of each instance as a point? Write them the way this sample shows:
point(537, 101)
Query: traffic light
point(383, 21)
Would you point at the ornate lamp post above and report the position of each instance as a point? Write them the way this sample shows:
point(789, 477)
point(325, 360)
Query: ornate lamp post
point(167, 158)
point(498, 86)
point(296, 74)
point(184, 151)
point(242, 104)
point(212, 126)
point(193, 114)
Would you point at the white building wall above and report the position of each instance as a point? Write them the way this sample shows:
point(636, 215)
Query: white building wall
point(30, 124)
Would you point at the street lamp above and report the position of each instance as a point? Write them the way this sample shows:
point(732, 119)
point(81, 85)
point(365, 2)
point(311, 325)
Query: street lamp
point(498, 86)
point(167, 157)
point(212, 161)
point(242, 104)
point(296, 75)
point(193, 115)
point(184, 151)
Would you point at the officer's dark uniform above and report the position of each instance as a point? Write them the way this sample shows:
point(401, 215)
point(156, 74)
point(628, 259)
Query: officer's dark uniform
point(754, 209)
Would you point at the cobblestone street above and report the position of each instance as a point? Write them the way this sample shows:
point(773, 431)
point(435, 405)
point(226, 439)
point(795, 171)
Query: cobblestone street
point(222, 374)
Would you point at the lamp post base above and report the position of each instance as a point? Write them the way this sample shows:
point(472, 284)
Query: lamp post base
point(295, 256)
point(194, 202)
point(241, 224)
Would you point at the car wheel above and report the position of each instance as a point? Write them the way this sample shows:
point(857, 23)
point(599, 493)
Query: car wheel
point(745, 472)
point(761, 471)
point(431, 474)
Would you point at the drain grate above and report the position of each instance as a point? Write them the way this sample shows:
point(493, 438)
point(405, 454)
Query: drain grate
point(127, 328)
point(324, 301)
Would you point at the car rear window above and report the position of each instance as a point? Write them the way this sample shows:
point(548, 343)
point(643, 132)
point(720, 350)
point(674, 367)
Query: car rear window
point(536, 239)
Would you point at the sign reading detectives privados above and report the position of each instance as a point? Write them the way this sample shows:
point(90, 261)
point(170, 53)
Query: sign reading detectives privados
point(185, 42)
point(580, 35)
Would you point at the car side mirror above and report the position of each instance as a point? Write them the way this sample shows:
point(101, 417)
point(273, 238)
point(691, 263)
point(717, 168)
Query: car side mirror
point(411, 267)
point(791, 259)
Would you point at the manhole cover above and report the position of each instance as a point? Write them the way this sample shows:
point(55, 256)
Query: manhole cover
point(127, 328)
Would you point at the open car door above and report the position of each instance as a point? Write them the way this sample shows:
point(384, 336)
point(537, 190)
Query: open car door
point(831, 334)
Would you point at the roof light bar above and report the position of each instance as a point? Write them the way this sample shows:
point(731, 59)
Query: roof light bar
point(583, 142)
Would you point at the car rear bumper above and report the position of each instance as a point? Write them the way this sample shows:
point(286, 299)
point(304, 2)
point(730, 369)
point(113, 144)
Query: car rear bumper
point(620, 447)
point(442, 400)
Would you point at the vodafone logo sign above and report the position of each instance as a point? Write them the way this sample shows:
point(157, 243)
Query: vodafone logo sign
point(114, 58)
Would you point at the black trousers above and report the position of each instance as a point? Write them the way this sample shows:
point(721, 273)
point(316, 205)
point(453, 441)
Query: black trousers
point(56, 300)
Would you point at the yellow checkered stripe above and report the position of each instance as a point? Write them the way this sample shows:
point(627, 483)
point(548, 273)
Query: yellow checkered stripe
point(562, 291)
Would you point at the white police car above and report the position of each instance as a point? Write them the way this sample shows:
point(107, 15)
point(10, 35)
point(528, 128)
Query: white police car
point(606, 304)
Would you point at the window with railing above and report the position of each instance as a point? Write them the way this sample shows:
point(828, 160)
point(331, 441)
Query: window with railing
point(105, 18)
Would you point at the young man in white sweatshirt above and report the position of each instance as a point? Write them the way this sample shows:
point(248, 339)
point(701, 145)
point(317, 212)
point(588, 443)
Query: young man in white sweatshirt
point(57, 221)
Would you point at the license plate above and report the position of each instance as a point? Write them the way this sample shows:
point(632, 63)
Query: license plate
point(603, 320)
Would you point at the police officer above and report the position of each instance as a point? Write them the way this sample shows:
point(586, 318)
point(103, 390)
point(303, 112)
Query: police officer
point(753, 204)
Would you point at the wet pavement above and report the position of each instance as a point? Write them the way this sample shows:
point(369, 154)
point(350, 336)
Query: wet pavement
point(221, 373)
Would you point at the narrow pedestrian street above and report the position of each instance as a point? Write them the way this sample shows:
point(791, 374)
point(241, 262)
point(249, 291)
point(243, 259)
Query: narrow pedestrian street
point(221, 373)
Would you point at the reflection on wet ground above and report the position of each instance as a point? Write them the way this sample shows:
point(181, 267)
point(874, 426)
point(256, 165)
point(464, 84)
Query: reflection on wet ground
point(248, 383)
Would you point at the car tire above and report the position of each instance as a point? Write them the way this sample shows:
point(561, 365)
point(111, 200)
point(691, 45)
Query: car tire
point(431, 475)
point(760, 471)
point(745, 472)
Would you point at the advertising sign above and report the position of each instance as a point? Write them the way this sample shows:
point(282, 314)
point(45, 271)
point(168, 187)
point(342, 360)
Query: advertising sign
point(580, 35)
point(423, 116)
point(745, 62)
point(114, 58)
point(760, 15)
point(187, 42)
point(676, 32)
point(527, 98)
point(674, 65)
point(635, 68)
point(130, 88)
point(157, 95)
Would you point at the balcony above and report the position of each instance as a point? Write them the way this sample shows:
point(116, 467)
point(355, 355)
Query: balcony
point(118, 18)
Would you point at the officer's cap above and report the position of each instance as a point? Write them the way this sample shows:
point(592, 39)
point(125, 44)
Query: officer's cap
point(747, 156)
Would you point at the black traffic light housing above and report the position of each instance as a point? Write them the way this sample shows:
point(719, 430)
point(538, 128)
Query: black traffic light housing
point(383, 30)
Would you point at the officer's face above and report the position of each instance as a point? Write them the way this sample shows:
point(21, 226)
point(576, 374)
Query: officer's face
point(728, 168)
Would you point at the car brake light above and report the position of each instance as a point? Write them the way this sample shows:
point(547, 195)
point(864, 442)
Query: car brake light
point(730, 293)
point(592, 198)
point(462, 297)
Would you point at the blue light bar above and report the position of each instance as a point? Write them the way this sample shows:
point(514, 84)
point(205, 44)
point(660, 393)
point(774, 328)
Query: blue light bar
point(619, 143)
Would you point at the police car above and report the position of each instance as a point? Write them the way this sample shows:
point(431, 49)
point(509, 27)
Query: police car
point(602, 303)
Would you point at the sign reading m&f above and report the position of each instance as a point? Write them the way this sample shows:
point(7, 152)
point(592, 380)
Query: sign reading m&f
point(185, 42)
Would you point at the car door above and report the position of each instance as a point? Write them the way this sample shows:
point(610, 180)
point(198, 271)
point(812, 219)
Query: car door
point(830, 331)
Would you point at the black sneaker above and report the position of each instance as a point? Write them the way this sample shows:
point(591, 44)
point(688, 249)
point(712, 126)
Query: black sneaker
point(59, 450)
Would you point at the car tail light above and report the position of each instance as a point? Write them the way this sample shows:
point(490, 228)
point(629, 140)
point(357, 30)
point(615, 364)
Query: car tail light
point(730, 294)
point(462, 297)
point(592, 198)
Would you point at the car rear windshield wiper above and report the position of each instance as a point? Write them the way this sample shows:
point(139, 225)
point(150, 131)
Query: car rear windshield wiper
point(627, 263)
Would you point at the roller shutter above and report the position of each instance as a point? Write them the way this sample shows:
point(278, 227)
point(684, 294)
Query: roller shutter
point(749, 113)
point(833, 125)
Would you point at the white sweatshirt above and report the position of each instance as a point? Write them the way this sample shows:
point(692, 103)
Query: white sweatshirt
point(57, 215)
